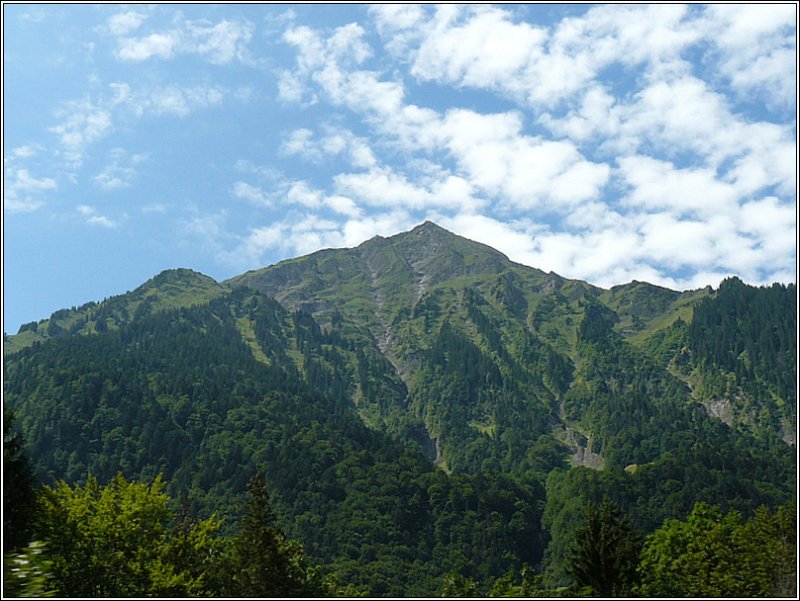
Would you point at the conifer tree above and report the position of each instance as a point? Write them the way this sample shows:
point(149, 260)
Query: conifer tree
point(18, 487)
point(605, 552)
point(267, 563)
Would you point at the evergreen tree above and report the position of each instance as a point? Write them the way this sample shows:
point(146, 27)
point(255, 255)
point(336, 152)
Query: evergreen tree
point(605, 552)
point(18, 487)
point(267, 563)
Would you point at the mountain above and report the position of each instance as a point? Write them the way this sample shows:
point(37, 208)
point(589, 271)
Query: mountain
point(169, 289)
point(414, 395)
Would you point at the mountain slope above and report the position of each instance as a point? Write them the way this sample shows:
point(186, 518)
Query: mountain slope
point(182, 392)
point(381, 362)
point(169, 289)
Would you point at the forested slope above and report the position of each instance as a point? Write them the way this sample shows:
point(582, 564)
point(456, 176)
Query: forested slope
point(420, 405)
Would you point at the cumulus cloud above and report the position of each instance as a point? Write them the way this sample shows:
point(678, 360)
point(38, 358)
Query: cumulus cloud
point(524, 171)
point(124, 23)
point(299, 233)
point(219, 43)
point(383, 186)
point(653, 142)
point(22, 191)
point(92, 217)
point(223, 42)
point(647, 184)
point(757, 49)
point(160, 45)
point(253, 194)
point(659, 186)
point(487, 48)
point(334, 142)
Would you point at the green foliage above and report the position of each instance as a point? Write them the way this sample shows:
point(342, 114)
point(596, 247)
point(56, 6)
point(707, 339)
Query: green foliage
point(181, 392)
point(605, 552)
point(732, 475)
point(745, 339)
point(110, 541)
point(265, 563)
point(18, 487)
point(169, 289)
point(711, 554)
point(455, 585)
point(119, 540)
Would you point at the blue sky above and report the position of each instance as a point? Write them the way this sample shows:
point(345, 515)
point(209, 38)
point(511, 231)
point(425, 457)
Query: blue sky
point(602, 142)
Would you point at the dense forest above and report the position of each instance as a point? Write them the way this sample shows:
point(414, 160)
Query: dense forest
point(413, 417)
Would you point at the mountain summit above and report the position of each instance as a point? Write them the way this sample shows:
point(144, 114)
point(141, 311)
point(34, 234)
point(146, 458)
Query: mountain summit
point(382, 277)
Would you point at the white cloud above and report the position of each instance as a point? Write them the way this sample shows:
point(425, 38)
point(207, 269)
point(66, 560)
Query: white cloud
point(757, 48)
point(22, 191)
point(123, 23)
point(400, 24)
point(680, 117)
point(180, 101)
point(292, 88)
point(522, 170)
point(302, 193)
point(323, 61)
point(658, 185)
point(343, 206)
point(253, 194)
point(335, 142)
point(26, 183)
point(485, 51)
point(491, 151)
point(223, 42)
point(120, 172)
point(24, 152)
point(160, 45)
point(385, 187)
point(84, 123)
point(220, 43)
point(300, 143)
point(92, 217)
point(485, 47)
point(250, 250)
point(13, 203)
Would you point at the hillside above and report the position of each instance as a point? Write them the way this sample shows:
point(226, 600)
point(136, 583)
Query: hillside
point(410, 395)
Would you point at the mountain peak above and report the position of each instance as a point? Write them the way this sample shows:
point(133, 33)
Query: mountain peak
point(430, 226)
point(427, 229)
point(429, 240)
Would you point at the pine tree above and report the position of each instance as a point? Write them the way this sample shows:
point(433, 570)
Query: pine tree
point(267, 563)
point(605, 552)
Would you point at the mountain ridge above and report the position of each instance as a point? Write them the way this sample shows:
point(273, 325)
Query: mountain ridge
point(399, 379)
point(429, 233)
point(393, 293)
